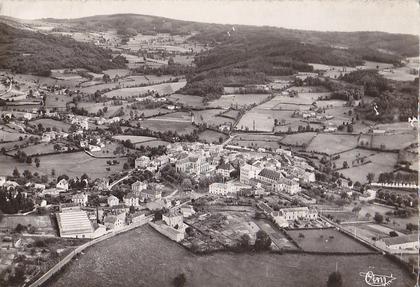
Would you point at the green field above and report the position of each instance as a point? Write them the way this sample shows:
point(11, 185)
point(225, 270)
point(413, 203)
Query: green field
point(298, 139)
point(187, 100)
point(155, 143)
point(238, 100)
point(162, 126)
point(210, 136)
point(211, 118)
point(133, 139)
point(50, 123)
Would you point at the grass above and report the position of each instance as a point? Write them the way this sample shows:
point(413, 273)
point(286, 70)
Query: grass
point(133, 139)
point(42, 223)
point(332, 143)
point(210, 136)
point(187, 100)
point(163, 126)
point(155, 143)
point(134, 256)
point(238, 100)
point(381, 162)
point(41, 148)
point(161, 89)
point(72, 164)
point(50, 123)
point(211, 118)
point(392, 142)
point(6, 135)
point(326, 240)
point(263, 119)
point(298, 139)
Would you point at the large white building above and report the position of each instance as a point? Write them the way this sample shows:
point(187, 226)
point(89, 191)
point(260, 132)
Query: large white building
point(131, 200)
point(74, 224)
point(192, 165)
point(294, 213)
point(113, 200)
point(248, 172)
point(80, 199)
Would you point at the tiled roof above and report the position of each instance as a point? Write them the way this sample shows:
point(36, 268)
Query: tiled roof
point(271, 174)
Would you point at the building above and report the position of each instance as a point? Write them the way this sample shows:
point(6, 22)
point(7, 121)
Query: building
point(192, 165)
point(63, 184)
point(248, 172)
point(187, 210)
point(150, 195)
point(142, 162)
point(138, 186)
point(295, 213)
point(269, 176)
point(80, 199)
point(138, 217)
point(114, 221)
point(224, 189)
point(288, 186)
point(74, 223)
point(113, 201)
point(174, 220)
point(400, 243)
point(225, 170)
point(131, 200)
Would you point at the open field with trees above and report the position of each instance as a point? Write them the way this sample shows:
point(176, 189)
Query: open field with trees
point(332, 143)
point(161, 89)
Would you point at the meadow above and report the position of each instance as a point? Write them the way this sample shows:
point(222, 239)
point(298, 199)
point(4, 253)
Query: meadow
point(332, 143)
point(298, 139)
point(133, 139)
point(187, 100)
point(52, 124)
point(211, 117)
point(210, 136)
point(181, 128)
point(238, 100)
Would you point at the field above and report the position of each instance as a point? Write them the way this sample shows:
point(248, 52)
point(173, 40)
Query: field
point(263, 120)
point(273, 145)
point(7, 135)
point(391, 142)
point(114, 72)
point(41, 148)
point(326, 240)
point(210, 136)
point(353, 154)
point(133, 256)
point(57, 101)
point(211, 118)
point(298, 139)
point(155, 143)
point(187, 100)
point(72, 164)
point(50, 123)
point(161, 89)
point(381, 162)
point(238, 100)
point(133, 139)
point(181, 128)
point(277, 237)
point(332, 143)
point(42, 223)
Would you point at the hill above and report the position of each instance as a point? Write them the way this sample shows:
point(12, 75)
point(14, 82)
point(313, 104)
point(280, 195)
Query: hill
point(25, 51)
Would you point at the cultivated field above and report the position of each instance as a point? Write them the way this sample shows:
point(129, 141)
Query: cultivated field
point(326, 240)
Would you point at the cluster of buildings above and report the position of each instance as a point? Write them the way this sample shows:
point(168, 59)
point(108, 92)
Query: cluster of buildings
point(285, 216)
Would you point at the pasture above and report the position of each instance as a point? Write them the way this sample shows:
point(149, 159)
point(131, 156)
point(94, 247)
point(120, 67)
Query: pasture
point(326, 240)
point(52, 124)
point(161, 89)
point(332, 143)
point(154, 143)
point(392, 142)
point(72, 164)
point(211, 117)
point(187, 100)
point(39, 149)
point(133, 139)
point(298, 139)
point(262, 120)
point(210, 136)
point(181, 128)
point(380, 163)
point(238, 100)
point(7, 136)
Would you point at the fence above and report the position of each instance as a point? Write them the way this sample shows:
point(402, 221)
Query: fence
point(56, 268)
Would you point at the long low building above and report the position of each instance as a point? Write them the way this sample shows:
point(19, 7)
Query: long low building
point(75, 224)
point(400, 243)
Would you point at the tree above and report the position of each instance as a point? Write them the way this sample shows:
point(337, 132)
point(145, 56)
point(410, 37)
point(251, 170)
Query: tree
point(335, 280)
point(378, 218)
point(345, 164)
point(262, 241)
point(37, 162)
point(370, 177)
point(16, 173)
point(179, 280)
point(393, 233)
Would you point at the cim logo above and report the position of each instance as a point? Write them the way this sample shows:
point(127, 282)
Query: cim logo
point(373, 279)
